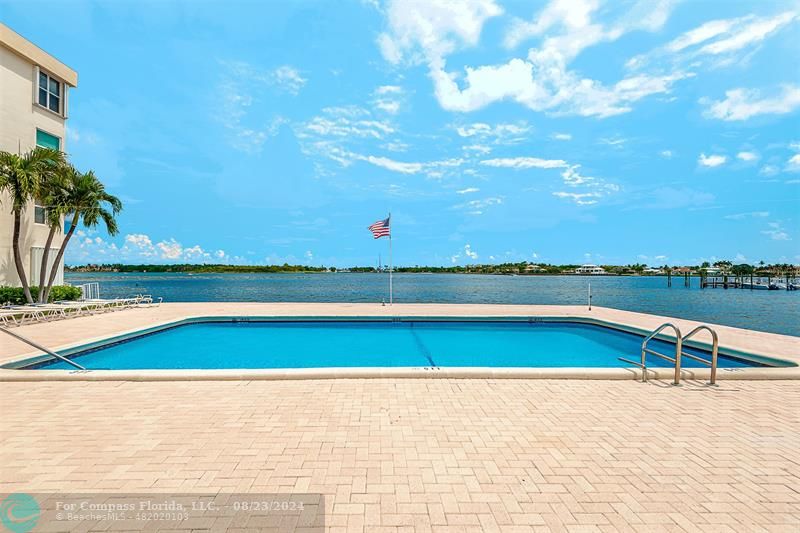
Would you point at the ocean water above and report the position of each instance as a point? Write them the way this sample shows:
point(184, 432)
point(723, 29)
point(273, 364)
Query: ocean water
point(378, 344)
point(773, 311)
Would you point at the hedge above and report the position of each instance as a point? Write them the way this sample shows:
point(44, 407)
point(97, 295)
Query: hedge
point(14, 295)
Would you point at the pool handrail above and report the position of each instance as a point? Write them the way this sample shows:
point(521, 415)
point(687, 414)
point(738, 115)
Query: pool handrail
point(42, 348)
point(675, 360)
point(714, 350)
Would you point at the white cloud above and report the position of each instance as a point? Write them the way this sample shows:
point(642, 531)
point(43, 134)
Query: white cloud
point(712, 160)
point(747, 31)
point(747, 156)
point(716, 43)
point(389, 89)
point(776, 232)
point(574, 19)
point(666, 154)
point(561, 136)
point(424, 32)
point(586, 198)
point(542, 83)
point(524, 162)
point(742, 104)
point(434, 169)
point(469, 252)
point(480, 204)
point(252, 140)
point(389, 106)
point(468, 190)
point(333, 123)
point(395, 146)
point(137, 239)
point(700, 34)
point(483, 129)
point(476, 207)
point(388, 98)
point(769, 170)
point(793, 165)
point(195, 253)
point(421, 31)
point(502, 133)
point(570, 176)
point(170, 249)
point(395, 166)
point(239, 90)
point(613, 141)
point(750, 214)
point(139, 247)
point(574, 14)
point(141, 243)
point(288, 79)
point(332, 133)
point(478, 148)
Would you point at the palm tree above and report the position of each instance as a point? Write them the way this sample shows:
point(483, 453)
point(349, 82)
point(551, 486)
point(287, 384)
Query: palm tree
point(88, 201)
point(20, 177)
point(54, 193)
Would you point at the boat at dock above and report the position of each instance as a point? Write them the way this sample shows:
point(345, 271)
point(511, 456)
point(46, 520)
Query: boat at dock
point(757, 286)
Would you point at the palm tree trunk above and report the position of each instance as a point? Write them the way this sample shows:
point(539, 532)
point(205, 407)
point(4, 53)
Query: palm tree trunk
point(18, 257)
point(43, 268)
point(59, 256)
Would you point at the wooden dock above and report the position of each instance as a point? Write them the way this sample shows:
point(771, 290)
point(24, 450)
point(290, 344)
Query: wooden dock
point(749, 283)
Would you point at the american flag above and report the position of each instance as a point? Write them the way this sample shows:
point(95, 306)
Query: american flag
point(381, 228)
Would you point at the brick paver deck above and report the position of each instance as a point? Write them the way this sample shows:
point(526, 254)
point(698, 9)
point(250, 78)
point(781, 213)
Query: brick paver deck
point(441, 455)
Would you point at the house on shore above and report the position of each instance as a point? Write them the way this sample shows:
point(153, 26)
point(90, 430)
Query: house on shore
point(590, 270)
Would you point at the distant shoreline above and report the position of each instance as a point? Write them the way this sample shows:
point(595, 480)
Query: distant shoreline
point(344, 271)
point(721, 268)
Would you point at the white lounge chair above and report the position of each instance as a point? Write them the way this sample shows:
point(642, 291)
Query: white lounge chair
point(21, 314)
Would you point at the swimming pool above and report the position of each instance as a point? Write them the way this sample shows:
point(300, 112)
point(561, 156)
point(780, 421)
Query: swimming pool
point(324, 343)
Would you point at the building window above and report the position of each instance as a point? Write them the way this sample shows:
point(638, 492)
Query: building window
point(49, 92)
point(39, 214)
point(46, 140)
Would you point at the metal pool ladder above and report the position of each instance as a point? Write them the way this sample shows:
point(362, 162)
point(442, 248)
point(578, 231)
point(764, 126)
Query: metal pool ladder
point(679, 353)
point(714, 350)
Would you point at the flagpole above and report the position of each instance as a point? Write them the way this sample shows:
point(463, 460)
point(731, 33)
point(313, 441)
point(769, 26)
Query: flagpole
point(390, 258)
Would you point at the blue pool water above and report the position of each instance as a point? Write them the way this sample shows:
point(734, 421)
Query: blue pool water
point(215, 345)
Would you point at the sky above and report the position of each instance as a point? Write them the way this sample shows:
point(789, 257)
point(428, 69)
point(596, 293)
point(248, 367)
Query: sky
point(579, 131)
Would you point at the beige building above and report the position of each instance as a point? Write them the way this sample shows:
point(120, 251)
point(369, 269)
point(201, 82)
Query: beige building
point(34, 96)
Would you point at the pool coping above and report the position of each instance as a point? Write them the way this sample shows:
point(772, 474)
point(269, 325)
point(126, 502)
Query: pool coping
point(578, 315)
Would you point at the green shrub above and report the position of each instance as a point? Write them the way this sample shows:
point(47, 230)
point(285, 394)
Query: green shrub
point(15, 295)
point(64, 292)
